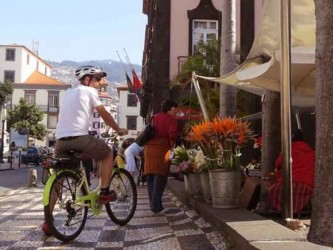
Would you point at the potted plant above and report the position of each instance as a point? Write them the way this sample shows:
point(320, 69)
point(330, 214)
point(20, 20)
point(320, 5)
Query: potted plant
point(184, 163)
point(203, 176)
point(221, 141)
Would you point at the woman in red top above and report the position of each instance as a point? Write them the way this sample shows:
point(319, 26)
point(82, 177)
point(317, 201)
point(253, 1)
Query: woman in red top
point(302, 175)
point(157, 153)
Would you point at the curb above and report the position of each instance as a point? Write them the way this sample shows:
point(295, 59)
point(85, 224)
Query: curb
point(245, 229)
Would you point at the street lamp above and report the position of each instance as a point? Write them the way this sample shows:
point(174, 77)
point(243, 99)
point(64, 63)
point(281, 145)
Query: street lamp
point(3, 119)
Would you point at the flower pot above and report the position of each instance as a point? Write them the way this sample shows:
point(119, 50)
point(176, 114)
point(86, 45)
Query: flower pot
point(188, 189)
point(205, 186)
point(192, 185)
point(194, 179)
point(225, 188)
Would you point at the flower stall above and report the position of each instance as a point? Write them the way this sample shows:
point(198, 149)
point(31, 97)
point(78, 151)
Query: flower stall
point(221, 141)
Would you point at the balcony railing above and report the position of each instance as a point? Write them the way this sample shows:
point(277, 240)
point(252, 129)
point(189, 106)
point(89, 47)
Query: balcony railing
point(44, 108)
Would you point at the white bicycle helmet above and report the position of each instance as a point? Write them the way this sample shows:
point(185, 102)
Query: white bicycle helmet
point(89, 70)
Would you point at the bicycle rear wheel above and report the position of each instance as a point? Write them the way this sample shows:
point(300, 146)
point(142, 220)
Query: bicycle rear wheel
point(122, 210)
point(65, 219)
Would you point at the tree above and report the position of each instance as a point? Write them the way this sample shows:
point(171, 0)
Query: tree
point(6, 89)
point(321, 228)
point(206, 62)
point(25, 116)
point(228, 57)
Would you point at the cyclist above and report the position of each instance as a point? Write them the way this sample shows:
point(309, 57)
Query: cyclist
point(72, 132)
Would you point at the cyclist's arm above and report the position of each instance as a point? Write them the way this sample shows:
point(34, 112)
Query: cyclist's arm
point(108, 119)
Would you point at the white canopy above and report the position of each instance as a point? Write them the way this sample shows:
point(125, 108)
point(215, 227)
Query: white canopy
point(261, 69)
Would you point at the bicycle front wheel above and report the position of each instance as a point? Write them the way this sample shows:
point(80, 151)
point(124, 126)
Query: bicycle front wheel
point(122, 210)
point(65, 218)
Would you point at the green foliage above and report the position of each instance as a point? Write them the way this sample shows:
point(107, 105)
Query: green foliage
point(205, 61)
point(6, 89)
point(27, 116)
point(211, 98)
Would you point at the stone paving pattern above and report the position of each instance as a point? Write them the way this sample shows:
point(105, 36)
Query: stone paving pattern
point(21, 216)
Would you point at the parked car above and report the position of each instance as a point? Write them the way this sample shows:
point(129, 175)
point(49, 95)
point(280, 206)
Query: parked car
point(33, 155)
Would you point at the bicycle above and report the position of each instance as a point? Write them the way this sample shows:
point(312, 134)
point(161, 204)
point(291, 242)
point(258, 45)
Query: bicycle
point(67, 197)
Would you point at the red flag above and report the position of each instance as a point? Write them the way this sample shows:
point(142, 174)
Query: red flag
point(136, 82)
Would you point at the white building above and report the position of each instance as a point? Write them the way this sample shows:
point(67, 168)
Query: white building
point(129, 112)
point(31, 80)
point(97, 123)
point(17, 63)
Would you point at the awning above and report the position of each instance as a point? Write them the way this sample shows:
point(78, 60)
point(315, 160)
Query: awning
point(261, 69)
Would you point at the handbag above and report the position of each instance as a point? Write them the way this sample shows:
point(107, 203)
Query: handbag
point(146, 134)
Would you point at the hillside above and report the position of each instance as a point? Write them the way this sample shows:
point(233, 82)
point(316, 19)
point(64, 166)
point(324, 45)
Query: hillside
point(64, 71)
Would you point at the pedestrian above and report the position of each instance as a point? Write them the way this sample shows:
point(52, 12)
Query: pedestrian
point(120, 161)
point(157, 153)
point(132, 153)
point(72, 131)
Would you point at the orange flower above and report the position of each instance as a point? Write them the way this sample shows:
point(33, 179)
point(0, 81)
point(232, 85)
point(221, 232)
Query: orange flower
point(198, 131)
point(221, 140)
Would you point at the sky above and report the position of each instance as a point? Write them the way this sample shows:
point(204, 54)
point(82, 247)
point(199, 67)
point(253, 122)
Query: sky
point(77, 30)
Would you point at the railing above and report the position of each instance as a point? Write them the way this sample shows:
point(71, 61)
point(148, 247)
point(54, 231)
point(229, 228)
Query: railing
point(44, 108)
point(181, 61)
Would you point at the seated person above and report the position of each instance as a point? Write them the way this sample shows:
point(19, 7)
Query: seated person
point(302, 175)
point(253, 165)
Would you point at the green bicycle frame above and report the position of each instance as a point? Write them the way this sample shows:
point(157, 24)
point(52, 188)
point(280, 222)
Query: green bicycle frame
point(83, 201)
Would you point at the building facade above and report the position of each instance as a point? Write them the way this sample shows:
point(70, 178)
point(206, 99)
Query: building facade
point(129, 112)
point(174, 29)
point(30, 76)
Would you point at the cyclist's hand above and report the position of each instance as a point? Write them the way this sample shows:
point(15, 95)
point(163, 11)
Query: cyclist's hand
point(122, 131)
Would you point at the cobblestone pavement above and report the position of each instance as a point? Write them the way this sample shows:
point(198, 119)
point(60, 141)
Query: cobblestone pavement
point(21, 216)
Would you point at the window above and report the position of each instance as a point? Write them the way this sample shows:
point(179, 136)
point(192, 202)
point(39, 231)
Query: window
point(131, 100)
point(9, 76)
point(96, 125)
point(28, 59)
point(53, 104)
point(30, 96)
point(52, 121)
point(103, 89)
point(37, 65)
point(131, 122)
point(10, 54)
point(104, 101)
point(45, 71)
point(204, 31)
point(96, 115)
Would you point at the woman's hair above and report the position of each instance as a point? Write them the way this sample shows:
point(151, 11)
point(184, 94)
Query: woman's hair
point(167, 105)
point(297, 135)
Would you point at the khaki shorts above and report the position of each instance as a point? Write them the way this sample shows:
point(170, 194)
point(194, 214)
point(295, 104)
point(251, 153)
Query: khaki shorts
point(89, 145)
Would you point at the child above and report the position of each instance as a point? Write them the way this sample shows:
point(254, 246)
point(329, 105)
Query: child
point(120, 158)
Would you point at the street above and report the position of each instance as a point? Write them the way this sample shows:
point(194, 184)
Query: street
point(21, 216)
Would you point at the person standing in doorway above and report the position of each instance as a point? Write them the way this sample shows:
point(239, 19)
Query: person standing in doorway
point(157, 153)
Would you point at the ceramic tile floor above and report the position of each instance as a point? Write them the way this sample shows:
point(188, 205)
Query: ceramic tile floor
point(21, 216)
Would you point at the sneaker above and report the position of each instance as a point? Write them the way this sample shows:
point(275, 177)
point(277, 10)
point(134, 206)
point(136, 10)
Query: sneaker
point(45, 229)
point(105, 198)
point(163, 211)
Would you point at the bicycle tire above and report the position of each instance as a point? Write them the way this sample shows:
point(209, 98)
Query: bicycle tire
point(122, 210)
point(65, 221)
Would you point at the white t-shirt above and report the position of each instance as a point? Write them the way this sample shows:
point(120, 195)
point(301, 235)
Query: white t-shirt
point(76, 110)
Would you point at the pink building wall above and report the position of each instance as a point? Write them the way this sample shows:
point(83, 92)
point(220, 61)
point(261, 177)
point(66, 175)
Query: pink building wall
point(179, 27)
